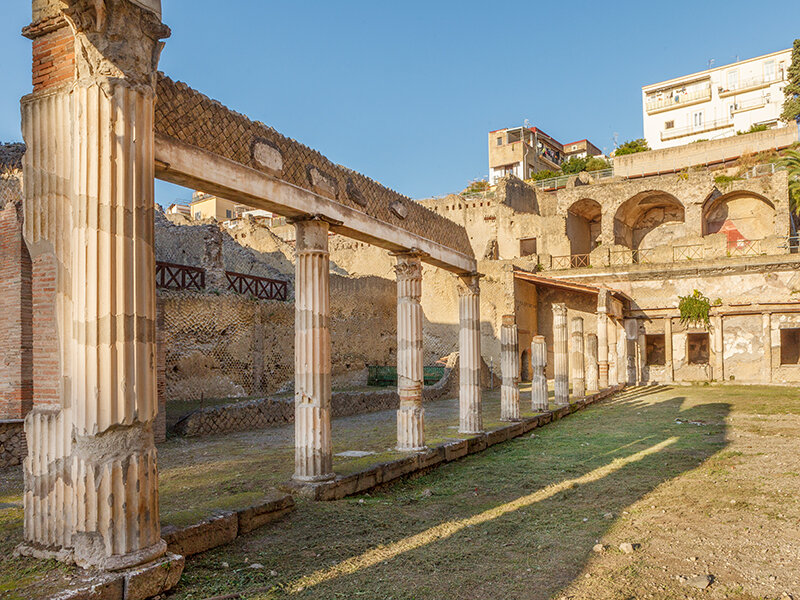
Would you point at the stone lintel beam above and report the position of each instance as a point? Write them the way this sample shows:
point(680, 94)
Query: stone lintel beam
point(193, 167)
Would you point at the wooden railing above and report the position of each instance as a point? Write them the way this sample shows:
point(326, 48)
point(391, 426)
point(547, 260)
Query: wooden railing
point(258, 287)
point(179, 277)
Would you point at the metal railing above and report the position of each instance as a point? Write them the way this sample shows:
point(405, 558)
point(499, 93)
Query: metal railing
point(669, 134)
point(744, 247)
point(554, 183)
point(676, 99)
point(641, 256)
point(570, 261)
point(179, 277)
point(259, 287)
point(754, 82)
point(688, 252)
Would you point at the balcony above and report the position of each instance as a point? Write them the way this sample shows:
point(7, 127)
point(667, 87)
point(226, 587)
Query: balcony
point(671, 134)
point(657, 105)
point(749, 85)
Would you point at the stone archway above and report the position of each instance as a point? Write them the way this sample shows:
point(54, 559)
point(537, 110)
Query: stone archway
point(648, 219)
point(584, 220)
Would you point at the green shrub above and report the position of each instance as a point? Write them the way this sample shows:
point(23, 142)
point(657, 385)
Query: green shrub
point(694, 309)
point(632, 147)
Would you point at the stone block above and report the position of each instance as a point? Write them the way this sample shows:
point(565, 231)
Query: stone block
point(109, 586)
point(153, 578)
point(369, 478)
point(263, 513)
point(398, 468)
point(497, 436)
point(515, 430)
point(431, 457)
point(529, 423)
point(545, 418)
point(455, 449)
point(216, 531)
point(477, 443)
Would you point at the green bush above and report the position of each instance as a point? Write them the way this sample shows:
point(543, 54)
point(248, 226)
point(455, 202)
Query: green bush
point(573, 165)
point(694, 309)
point(753, 129)
point(632, 147)
point(596, 164)
point(539, 175)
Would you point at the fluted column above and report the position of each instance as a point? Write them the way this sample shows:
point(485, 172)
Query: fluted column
point(509, 365)
point(641, 347)
point(631, 333)
point(668, 362)
point(469, 344)
point(313, 458)
point(612, 352)
point(560, 354)
point(410, 415)
point(539, 400)
point(577, 358)
point(591, 362)
point(602, 350)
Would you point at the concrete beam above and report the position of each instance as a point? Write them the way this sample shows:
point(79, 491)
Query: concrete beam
point(195, 168)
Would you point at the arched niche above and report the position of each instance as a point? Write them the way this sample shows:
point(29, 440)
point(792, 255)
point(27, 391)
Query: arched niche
point(648, 219)
point(583, 225)
point(740, 215)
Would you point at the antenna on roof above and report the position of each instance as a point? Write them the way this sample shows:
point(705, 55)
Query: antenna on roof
point(527, 123)
point(710, 62)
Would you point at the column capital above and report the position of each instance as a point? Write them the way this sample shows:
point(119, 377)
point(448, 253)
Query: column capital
point(560, 309)
point(508, 320)
point(408, 267)
point(469, 284)
point(315, 217)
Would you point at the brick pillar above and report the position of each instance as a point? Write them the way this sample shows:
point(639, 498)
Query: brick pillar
point(16, 336)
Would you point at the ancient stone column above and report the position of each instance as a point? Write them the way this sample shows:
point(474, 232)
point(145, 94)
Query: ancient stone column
point(631, 335)
point(602, 350)
point(766, 327)
point(509, 365)
point(560, 354)
point(313, 460)
point(612, 352)
point(577, 358)
point(469, 344)
point(668, 362)
point(641, 347)
point(539, 400)
point(410, 415)
point(716, 336)
point(591, 362)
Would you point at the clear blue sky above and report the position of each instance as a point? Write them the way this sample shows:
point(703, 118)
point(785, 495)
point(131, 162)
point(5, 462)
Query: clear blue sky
point(406, 92)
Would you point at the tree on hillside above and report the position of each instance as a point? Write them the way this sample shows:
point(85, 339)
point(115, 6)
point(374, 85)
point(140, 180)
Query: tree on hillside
point(573, 165)
point(632, 147)
point(791, 105)
point(791, 161)
point(597, 164)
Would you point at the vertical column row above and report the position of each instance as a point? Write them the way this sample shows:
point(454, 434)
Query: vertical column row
point(410, 377)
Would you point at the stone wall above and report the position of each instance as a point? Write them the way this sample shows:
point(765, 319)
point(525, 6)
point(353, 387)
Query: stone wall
point(12, 442)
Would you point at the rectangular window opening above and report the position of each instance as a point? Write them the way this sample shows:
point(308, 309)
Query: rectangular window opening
point(697, 348)
point(655, 349)
point(527, 246)
point(790, 346)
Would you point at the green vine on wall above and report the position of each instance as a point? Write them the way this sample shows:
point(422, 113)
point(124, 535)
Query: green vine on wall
point(694, 309)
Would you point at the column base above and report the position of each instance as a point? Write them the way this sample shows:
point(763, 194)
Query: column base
point(478, 432)
point(414, 449)
point(86, 556)
point(313, 478)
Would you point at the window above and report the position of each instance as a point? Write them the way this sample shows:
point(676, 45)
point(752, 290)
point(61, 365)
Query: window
point(731, 108)
point(527, 246)
point(669, 124)
point(769, 70)
point(790, 346)
point(574, 147)
point(733, 79)
point(697, 119)
point(228, 214)
point(198, 215)
point(500, 141)
point(697, 348)
point(655, 349)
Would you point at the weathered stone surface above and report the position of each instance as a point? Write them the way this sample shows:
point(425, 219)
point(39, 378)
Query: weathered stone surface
point(13, 447)
point(263, 513)
point(153, 578)
point(209, 533)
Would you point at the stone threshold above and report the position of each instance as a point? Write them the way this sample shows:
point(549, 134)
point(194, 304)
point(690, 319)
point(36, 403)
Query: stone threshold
point(383, 473)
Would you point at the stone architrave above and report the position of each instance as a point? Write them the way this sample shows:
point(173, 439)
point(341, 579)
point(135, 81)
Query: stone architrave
point(577, 358)
point(539, 401)
point(410, 380)
point(560, 354)
point(312, 352)
point(509, 365)
point(591, 362)
point(469, 343)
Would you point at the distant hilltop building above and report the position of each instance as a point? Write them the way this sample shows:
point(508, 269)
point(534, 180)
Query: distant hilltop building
point(523, 151)
point(717, 102)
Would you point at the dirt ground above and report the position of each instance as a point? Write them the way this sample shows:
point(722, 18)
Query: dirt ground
point(702, 481)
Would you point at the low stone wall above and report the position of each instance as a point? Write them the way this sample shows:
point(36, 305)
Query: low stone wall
point(272, 412)
point(13, 447)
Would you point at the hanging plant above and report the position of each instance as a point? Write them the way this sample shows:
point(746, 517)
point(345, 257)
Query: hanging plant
point(694, 309)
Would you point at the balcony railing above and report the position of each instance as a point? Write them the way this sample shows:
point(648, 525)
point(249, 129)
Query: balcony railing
point(641, 256)
point(570, 261)
point(678, 99)
point(749, 84)
point(259, 287)
point(179, 277)
point(555, 183)
point(744, 247)
point(676, 132)
point(688, 252)
point(183, 277)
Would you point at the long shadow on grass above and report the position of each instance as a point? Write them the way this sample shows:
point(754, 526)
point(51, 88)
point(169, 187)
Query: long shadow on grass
point(517, 521)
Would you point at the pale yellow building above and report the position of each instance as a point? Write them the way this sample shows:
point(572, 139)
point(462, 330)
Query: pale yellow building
point(206, 206)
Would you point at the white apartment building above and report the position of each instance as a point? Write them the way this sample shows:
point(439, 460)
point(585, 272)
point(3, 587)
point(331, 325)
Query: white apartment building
point(715, 103)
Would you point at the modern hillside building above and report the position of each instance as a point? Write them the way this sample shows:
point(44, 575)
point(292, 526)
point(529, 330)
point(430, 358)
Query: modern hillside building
point(715, 103)
point(523, 151)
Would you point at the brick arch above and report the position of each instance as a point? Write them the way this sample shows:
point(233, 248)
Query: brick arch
point(645, 212)
point(740, 215)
